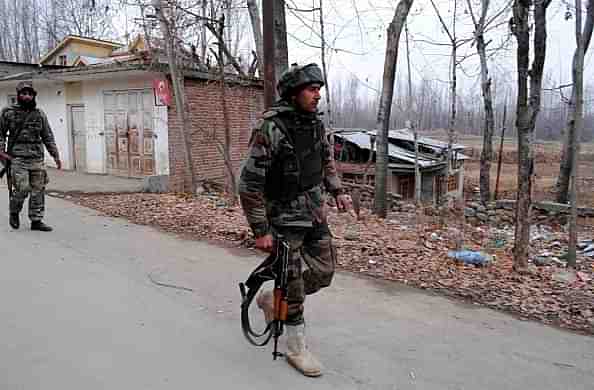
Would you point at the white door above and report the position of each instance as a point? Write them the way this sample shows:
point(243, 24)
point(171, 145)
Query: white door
point(79, 137)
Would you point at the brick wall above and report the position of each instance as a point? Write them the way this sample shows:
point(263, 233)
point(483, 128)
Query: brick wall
point(244, 104)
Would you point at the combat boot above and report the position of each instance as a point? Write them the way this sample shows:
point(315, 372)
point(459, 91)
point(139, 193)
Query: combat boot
point(265, 302)
point(298, 355)
point(40, 226)
point(14, 220)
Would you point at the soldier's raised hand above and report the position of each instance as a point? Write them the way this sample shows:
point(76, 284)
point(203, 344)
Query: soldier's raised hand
point(344, 202)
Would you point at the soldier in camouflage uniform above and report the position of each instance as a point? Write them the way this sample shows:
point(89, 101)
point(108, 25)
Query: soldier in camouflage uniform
point(280, 188)
point(29, 178)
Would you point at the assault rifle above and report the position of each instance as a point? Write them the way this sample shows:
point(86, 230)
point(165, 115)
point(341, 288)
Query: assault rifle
point(275, 267)
point(6, 159)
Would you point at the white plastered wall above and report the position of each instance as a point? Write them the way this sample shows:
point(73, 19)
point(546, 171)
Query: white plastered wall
point(93, 91)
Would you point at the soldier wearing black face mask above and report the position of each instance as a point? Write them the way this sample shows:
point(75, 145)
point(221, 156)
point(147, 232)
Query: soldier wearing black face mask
point(24, 131)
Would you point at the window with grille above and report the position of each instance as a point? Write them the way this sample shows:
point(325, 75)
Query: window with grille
point(406, 186)
point(453, 182)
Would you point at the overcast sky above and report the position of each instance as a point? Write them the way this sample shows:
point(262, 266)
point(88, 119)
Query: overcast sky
point(356, 36)
point(367, 39)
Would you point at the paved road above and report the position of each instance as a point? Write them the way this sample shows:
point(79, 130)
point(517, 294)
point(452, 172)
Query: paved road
point(72, 181)
point(78, 311)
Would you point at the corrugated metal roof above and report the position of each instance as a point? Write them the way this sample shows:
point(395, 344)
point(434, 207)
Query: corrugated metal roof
point(361, 138)
point(407, 135)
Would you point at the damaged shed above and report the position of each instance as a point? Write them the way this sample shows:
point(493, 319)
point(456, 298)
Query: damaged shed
point(354, 151)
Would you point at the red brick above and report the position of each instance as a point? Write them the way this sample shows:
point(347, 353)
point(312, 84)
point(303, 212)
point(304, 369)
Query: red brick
point(244, 104)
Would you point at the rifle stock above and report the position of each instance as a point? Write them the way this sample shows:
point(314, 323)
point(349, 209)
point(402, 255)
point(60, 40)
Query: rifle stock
point(281, 305)
point(275, 267)
point(5, 156)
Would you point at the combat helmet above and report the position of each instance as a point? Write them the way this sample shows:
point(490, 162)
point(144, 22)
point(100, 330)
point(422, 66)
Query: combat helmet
point(297, 77)
point(25, 85)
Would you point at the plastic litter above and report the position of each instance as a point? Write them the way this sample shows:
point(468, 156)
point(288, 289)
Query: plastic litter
point(470, 257)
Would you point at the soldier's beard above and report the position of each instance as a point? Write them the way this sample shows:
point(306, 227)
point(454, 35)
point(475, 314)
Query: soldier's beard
point(27, 104)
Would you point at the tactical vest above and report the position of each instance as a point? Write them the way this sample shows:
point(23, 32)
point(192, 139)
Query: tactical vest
point(297, 165)
point(24, 127)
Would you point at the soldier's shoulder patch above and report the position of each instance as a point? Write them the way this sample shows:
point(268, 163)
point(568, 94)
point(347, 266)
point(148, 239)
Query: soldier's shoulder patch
point(6, 110)
point(259, 138)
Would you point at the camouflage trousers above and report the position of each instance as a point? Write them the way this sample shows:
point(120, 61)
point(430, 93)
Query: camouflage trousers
point(29, 178)
point(312, 249)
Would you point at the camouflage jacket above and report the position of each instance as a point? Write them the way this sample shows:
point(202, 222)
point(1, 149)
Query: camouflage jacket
point(266, 141)
point(35, 133)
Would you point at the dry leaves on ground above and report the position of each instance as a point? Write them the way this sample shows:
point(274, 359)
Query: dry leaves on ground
point(390, 249)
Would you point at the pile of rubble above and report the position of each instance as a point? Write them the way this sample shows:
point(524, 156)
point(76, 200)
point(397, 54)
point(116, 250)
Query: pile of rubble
point(365, 195)
point(502, 212)
point(549, 247)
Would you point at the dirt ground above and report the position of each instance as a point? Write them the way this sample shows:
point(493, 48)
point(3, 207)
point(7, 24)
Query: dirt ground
point(545, 179)
point(547, 157)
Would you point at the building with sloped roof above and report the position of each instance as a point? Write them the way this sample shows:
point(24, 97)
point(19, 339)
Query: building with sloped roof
point(112, 109)
point(355, 149)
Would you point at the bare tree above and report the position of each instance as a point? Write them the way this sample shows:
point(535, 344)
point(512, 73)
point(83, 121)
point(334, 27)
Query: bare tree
point(257, 31)
point(577, 124)
point(329, 118)
point(385, 106)
point(528, 106)
point(455, 44)
point(480, 27)
point(20, 30)
point(276, 56)
point(570, 139)
point(225, 149)
point(281, 49)
point(92, 19)
point(166, 16)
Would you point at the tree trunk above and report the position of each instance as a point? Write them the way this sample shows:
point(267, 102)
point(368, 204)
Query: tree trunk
point(452, 120)
point(413, 126)
point(180, 99)
point(570, 139)
point(385, 106)
point(329, 120)
point(226, 152)
point(281, 51)
point(35, 28)
point(503, 127)
point(453, 94)
point(527, 112)
point(257, 31)
point(489, 120)
point(203, 40)
point(276, 57)
point(578, 87)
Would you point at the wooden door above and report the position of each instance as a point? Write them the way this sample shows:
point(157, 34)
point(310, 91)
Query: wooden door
point(129, 133)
